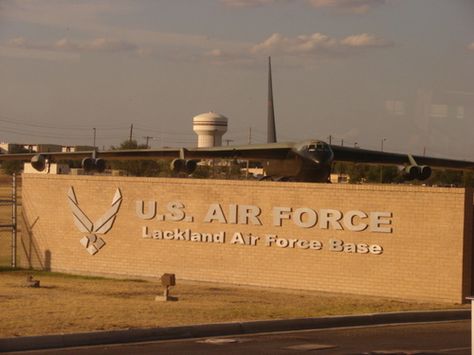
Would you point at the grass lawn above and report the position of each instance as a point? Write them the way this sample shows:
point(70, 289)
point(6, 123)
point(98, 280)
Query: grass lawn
point(67, 304)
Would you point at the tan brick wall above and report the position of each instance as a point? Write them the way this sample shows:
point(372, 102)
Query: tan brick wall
point(426, 257)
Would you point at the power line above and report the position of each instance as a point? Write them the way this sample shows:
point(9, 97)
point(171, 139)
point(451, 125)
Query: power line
point(61, 136)
point(147, 138)
point(55, 131)
point(147, 129)
point(6, 119)
point(34, 134)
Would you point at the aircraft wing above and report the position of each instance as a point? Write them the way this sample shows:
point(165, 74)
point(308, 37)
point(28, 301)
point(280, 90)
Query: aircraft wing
point(245, 152)
point(357, 155)
point(139, 154)
point(54, 155)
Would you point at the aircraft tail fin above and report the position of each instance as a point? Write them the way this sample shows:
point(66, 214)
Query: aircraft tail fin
point(271, 130)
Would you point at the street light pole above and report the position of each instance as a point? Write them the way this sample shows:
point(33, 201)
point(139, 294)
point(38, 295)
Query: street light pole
point(94, 137)
point(381, 166)
point(147, 139)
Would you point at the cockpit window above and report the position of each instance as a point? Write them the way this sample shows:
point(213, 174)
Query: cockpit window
point(319, 146)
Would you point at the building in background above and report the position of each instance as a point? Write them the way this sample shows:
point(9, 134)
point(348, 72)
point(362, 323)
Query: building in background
point(9, 147)
point(76, 148)
point(42, 148)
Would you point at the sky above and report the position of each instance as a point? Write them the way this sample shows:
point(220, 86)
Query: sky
point(361, 72)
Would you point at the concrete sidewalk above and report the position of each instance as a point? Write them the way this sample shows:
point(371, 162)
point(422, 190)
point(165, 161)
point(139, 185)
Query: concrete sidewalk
point(223, 329)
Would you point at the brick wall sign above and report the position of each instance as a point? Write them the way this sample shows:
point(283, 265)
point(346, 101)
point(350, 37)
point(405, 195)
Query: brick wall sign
point(397, 241)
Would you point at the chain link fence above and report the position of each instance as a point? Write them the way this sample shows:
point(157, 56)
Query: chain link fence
point(6, 221)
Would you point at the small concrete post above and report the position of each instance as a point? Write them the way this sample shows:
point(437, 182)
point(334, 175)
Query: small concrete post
point(167, 280)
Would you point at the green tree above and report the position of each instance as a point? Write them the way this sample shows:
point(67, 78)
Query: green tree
point(372, 173)
point(202, 172)
point(136, 167)
point(368, 173)
point(447, 177)
point(468, 179)
point(356, 173)
point(13, 166)
point(391, 174)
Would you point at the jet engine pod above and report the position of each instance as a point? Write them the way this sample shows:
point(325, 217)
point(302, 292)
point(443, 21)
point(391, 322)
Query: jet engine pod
point(417, 172)
point(100, 165)
point(411, 172)
point(424, 172)
point(190, 166)
point(177, 165)
point(88, 164)
point(38, 162)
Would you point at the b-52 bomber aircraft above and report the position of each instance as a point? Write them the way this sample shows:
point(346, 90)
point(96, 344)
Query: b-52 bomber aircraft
point(308, 161)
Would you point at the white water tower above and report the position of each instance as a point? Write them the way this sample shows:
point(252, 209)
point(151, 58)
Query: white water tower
point(210, 127)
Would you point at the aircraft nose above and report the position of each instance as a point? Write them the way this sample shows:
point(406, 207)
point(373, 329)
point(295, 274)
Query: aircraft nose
point(322, 157)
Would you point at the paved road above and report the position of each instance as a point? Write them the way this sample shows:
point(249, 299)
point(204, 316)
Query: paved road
point(426, 338)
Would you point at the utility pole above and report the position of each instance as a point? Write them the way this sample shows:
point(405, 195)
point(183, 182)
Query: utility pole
point(247, 163)
point(330, 139)
point(381, 166)
point(147, 138)
point(94, 137)
point(131, 133)
point(14, 221)
point(342, 142)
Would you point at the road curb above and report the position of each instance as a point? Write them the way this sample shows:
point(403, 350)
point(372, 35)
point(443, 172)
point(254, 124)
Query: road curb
point(223, 329)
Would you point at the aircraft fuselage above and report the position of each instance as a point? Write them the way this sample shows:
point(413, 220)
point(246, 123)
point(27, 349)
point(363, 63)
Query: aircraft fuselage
point(307, 161)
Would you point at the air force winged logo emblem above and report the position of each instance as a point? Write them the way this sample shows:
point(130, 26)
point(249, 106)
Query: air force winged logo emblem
point(92, 242)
